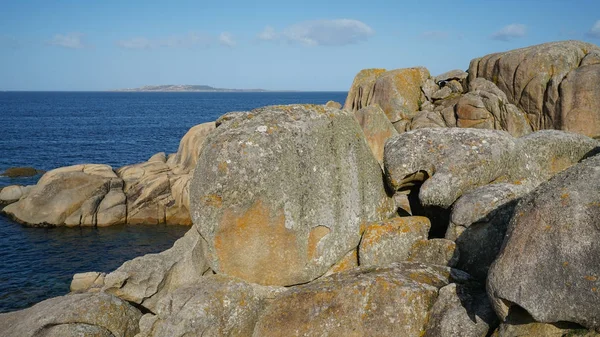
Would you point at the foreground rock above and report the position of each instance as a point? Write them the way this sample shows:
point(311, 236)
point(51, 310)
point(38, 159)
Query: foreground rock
point(218, 306)
point(385, 301)
point(549, 263)
point(280, 193)
point(153, 192)
point(146, 279)
point(73, 315)
point(555, 84)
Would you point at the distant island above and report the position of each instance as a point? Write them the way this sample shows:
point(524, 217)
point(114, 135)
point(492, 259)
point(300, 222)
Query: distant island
point(185, 88)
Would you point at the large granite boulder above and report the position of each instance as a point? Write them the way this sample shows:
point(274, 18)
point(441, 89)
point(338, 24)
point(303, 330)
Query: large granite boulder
point(362, 89)
point(218, 306)
point(549, 263)
point(280, 193)
point(398, 92)
point(146, 279)
point(377, 129)
point(556, 84)
point(80, 195)
point(448, 162)
point(98, 315)
point(367, 301)
point(191, 143)
point(487, 107)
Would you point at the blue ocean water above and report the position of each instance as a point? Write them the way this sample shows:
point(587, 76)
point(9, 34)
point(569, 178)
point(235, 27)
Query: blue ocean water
point(46, 130)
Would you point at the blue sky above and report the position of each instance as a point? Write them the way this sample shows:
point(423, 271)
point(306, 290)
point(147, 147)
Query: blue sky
point(299, 45)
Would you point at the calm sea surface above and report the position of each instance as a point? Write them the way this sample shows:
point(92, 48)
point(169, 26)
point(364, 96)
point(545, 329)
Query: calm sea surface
point(46, 130)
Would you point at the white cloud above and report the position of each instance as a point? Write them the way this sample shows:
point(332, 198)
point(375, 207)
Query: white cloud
point(595, 30)
point(72, 40)
point(226, 39)
point(338, 32)
point(174, 41)
point(268, 34)
point(435, 35)
point(510, 32)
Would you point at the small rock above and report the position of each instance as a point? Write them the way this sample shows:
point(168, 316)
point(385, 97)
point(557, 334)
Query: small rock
point(434, 251)
point(83, 282)
point(443, 93)
point(333, 104)
point(391, 240)
point(21, 172)
point(457, 74)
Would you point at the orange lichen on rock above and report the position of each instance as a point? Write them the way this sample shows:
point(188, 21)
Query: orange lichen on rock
point(258, 237)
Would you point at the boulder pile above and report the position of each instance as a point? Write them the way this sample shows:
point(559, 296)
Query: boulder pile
point(456, 205)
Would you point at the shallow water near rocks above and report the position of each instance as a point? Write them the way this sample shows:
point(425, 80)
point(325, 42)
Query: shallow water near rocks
point(47, 130)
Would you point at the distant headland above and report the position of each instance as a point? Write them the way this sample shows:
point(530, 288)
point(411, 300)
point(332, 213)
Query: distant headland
point(185, 88)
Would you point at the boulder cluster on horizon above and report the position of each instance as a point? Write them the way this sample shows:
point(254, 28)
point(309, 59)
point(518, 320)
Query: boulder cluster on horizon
point(465, 204)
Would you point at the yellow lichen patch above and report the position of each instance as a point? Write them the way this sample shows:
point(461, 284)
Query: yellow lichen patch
point(375, 231)
point(591, 278)
point(314, 237)
point(255, 245)
point(346, 263)
point(213, 200)
point(222, 167)
point(559, 164)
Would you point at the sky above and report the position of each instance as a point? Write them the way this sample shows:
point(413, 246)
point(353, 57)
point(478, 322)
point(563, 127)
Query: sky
point(276, 45)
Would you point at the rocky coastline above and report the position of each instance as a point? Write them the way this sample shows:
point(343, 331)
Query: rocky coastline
point(464, 204)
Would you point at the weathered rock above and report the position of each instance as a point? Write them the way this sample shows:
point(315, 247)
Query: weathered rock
point(230, 116)
point(71, 196)
point(390, 301)
point(398, 92)
point(478, 223)
point(20, 172)
point(218, 306)
point(519, 323)
point(73, 315)
point(377, 129)
point(487, 107)
point(549, 82)
point(333, 104)
point(443, 93)
point(427, 119)
point(434, 251)
point(87, 282)
point(159, 157)
point(428, 88)
point(456, 74)
point(189, 148)
point(455, 86)
point(361, 92)
point(13, 193)
point(449, 162)
point(461, 310)
point(548, 264)
point(146, 279)
point(391, 240)
point(280, 194)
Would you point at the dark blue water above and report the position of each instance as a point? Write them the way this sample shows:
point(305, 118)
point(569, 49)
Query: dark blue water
point(46, 130)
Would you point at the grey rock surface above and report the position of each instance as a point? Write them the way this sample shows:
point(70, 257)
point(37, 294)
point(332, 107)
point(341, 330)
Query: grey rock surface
point(146, 279)
point(367, 301)
point(280, 194)
point(461, 310)
point(218, 306)
point(548, 264)
point(73, 315)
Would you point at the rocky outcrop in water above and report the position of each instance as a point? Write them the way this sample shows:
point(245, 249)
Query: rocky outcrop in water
point(152, 192)
point(307, 235)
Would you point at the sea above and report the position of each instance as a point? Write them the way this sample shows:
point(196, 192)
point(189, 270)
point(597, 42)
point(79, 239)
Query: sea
point(46, 130)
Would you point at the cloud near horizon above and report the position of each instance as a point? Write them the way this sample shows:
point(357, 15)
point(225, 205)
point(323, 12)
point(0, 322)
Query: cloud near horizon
point(510, 32)
point(595, 30)
point(226, 39)
point(73, 40)
point(337, 32)
point(190, 40)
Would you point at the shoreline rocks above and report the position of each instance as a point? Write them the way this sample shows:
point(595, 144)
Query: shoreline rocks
point(429, 206)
